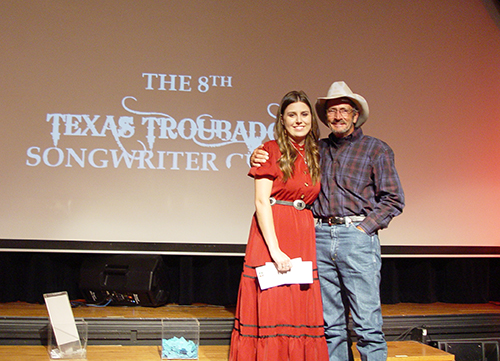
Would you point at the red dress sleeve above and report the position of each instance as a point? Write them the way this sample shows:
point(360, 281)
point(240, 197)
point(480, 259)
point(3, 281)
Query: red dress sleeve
point(270, 168)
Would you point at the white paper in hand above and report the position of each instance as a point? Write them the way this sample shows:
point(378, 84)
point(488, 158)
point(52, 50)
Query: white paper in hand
point(301, 273)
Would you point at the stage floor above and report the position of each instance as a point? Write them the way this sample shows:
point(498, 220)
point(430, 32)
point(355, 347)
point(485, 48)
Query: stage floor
point(20, 309)
point(410, 351)
point(136, 330)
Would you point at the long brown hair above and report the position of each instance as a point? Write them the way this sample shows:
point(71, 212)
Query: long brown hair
point(288, 152)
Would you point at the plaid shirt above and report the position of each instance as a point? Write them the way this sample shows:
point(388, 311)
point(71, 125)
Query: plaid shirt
point(359, 178)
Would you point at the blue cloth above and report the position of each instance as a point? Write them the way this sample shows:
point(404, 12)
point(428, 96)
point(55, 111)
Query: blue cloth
point(349, 266)
point(179, 348)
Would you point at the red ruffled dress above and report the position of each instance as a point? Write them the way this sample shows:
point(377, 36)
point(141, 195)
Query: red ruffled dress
point(284, 322)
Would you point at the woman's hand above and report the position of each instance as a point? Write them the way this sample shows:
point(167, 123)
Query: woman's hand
point(281, 260)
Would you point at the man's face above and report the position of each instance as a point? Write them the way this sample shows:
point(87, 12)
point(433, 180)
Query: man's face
point(341, 117)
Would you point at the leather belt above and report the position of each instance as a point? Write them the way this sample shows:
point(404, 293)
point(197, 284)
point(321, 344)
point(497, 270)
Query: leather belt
point(341, 220)
point(298, 204)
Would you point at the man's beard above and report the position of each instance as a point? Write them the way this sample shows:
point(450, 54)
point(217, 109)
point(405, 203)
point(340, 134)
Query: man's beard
point(340, 132)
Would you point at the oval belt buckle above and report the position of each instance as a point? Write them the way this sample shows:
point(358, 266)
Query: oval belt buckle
point(299, 204)
point(272, 200)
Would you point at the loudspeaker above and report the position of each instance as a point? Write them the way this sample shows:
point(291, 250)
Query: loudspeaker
point(125, 280)
point(471, 350)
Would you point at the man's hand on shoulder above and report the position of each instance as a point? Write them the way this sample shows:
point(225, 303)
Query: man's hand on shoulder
point(258, 157)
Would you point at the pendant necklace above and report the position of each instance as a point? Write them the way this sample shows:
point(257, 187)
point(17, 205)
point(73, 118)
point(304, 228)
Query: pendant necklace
point(298, 151)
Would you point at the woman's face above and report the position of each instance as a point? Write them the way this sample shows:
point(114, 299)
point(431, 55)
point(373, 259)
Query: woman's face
point(297, 119)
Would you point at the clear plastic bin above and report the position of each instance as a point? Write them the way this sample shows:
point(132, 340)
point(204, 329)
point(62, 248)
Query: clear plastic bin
point(180, 338)
point(74, 350)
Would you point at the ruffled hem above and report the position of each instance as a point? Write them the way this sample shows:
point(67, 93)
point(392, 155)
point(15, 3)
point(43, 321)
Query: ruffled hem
point(277, 348)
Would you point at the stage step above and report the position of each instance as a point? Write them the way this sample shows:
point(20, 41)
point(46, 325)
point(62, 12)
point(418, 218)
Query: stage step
point(411, 351)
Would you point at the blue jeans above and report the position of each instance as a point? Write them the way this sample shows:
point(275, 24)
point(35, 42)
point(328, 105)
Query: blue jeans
point(349, 270)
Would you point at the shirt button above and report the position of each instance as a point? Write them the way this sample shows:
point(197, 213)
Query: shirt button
point(302, 196)
point(306, 184)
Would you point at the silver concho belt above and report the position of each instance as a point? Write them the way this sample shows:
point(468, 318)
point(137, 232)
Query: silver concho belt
point(297, 204)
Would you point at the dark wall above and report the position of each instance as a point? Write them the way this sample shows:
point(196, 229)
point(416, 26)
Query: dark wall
point(214, 279)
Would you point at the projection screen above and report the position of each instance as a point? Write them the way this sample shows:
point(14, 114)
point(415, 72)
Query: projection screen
point(127, 125)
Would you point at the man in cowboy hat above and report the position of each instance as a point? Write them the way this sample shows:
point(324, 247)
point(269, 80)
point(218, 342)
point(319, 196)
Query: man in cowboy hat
point(360, 194)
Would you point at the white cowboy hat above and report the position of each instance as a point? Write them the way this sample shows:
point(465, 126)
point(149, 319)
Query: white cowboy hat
point(339, 89)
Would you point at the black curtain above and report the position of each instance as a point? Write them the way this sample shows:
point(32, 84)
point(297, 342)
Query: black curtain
point(215, 279)
point(449, 280)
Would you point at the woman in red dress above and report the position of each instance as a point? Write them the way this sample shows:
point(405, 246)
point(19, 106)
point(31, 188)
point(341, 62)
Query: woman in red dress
point(283, 322)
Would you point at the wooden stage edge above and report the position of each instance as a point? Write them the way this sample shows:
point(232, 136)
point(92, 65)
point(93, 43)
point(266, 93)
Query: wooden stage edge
point(407, 350)
point(21, 309)
point(216, 321)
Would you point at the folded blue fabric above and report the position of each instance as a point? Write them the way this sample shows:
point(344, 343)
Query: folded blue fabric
point(179, 348)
